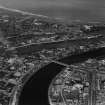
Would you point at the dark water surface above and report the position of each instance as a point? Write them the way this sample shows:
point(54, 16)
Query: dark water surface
point(35, 91)
point(94, 54)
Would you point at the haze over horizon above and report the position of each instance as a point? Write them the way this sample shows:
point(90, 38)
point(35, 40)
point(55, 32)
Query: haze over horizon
point(86, 10)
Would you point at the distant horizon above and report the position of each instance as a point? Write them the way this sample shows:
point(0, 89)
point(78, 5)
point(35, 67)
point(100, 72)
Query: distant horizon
point(80, 10)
